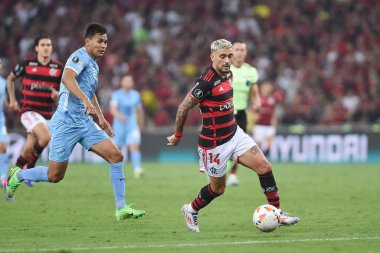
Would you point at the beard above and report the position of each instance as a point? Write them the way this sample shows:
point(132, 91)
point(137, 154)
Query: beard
point(224, 69)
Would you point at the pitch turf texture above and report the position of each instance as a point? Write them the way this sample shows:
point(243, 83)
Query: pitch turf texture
point(338, 205)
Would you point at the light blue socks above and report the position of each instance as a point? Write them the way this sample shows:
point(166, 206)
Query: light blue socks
point(3, 166)
point(118, 183)
point(136, 160)
point(37, 174)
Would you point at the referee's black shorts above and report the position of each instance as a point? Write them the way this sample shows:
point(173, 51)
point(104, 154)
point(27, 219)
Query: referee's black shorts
point(241, 119)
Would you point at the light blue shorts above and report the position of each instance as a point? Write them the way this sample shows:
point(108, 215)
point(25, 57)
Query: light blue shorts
point(124, 137)
point(65, 135)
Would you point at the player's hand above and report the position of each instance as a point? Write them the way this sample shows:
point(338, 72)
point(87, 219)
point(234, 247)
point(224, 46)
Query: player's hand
point(172, 140)
point(122, 117)
point(89, 109)
point(103, 123)
point(54, 94)
point(13, 106)
point(255, 108)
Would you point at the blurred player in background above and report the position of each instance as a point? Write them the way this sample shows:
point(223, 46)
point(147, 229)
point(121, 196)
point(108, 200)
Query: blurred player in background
point(3, 131)
point(41, 77)
point(72, 124)
point(266, 122)
point(221, 138)
point(128, 121)
point(246, 95)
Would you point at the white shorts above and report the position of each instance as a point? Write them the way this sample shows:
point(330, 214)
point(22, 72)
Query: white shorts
point(214, 161)
point(30, 119)
point(261, 133)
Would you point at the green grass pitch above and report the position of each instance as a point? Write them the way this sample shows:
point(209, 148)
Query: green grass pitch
point(338, 205)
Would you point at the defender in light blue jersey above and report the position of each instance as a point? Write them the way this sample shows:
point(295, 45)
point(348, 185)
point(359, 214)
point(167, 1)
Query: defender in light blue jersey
point(72, 123)
point(128, 121)
point(3, 133)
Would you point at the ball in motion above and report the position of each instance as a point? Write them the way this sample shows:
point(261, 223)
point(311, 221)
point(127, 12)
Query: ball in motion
point(266, 218)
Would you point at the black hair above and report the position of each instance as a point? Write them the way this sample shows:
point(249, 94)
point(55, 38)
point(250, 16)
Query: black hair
point(94, 28)
point(37, 39)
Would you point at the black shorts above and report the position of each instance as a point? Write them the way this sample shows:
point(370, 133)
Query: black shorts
point(241, 119)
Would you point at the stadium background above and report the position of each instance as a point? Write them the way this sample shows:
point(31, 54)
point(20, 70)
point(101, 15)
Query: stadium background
point(322, 56)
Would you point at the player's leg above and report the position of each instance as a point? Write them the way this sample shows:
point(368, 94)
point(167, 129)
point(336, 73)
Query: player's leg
point(134, 150)
point(63, 141)
point(254, 159)
point(269, 139)
point(26, 152)
point(53, 174)
point(206, 194)
point(214, 163)
point(120, 139)
point(133, 141)
point(3, 164)
point(42, 137)
point(98, 142)
point(35, 144)
point(241, 120)
point(38, 136)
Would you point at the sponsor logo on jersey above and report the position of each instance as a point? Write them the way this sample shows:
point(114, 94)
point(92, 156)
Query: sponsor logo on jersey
point(75, 59)
point(226, 106)
point(198, 93)
point(217, 82)
point(53, 72)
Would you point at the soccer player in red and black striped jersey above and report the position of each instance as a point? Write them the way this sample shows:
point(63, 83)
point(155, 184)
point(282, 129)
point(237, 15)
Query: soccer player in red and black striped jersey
point(221, 138)
point(41, 77)
point(265, 127)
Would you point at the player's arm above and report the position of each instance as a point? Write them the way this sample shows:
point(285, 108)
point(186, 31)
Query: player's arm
point(115, 112)
point(55, 90)
point(273, 120)
point(13, 105)
point(199, 92)
point(96, 105)
point(140, 117)
point(68, 79)
point(103, 123)
point(255, 97)
point(182, 112)
point(180, 120)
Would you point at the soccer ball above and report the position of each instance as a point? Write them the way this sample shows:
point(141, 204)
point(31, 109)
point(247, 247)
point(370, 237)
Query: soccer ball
point(266, 218)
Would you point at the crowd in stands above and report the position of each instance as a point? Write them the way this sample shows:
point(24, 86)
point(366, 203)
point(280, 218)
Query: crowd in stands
point(323, 56)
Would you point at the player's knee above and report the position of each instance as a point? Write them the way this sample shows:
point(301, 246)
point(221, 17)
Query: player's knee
point(55, 177)
point(44, 141)
point(116, 157)
point(265, 168)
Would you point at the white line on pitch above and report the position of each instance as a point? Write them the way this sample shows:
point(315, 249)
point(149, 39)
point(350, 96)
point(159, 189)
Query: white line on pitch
point(182, 245)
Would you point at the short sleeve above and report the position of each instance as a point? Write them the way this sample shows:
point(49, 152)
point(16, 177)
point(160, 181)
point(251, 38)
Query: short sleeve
point(255, 75)
point(77, 62)
point(201, 90)
point(19, 69)
point(114, 99)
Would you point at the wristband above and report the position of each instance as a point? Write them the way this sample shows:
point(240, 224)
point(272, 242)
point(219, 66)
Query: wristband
point(178, 134)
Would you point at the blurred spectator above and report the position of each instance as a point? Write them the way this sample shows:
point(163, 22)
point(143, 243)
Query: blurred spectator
point(323, 54)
